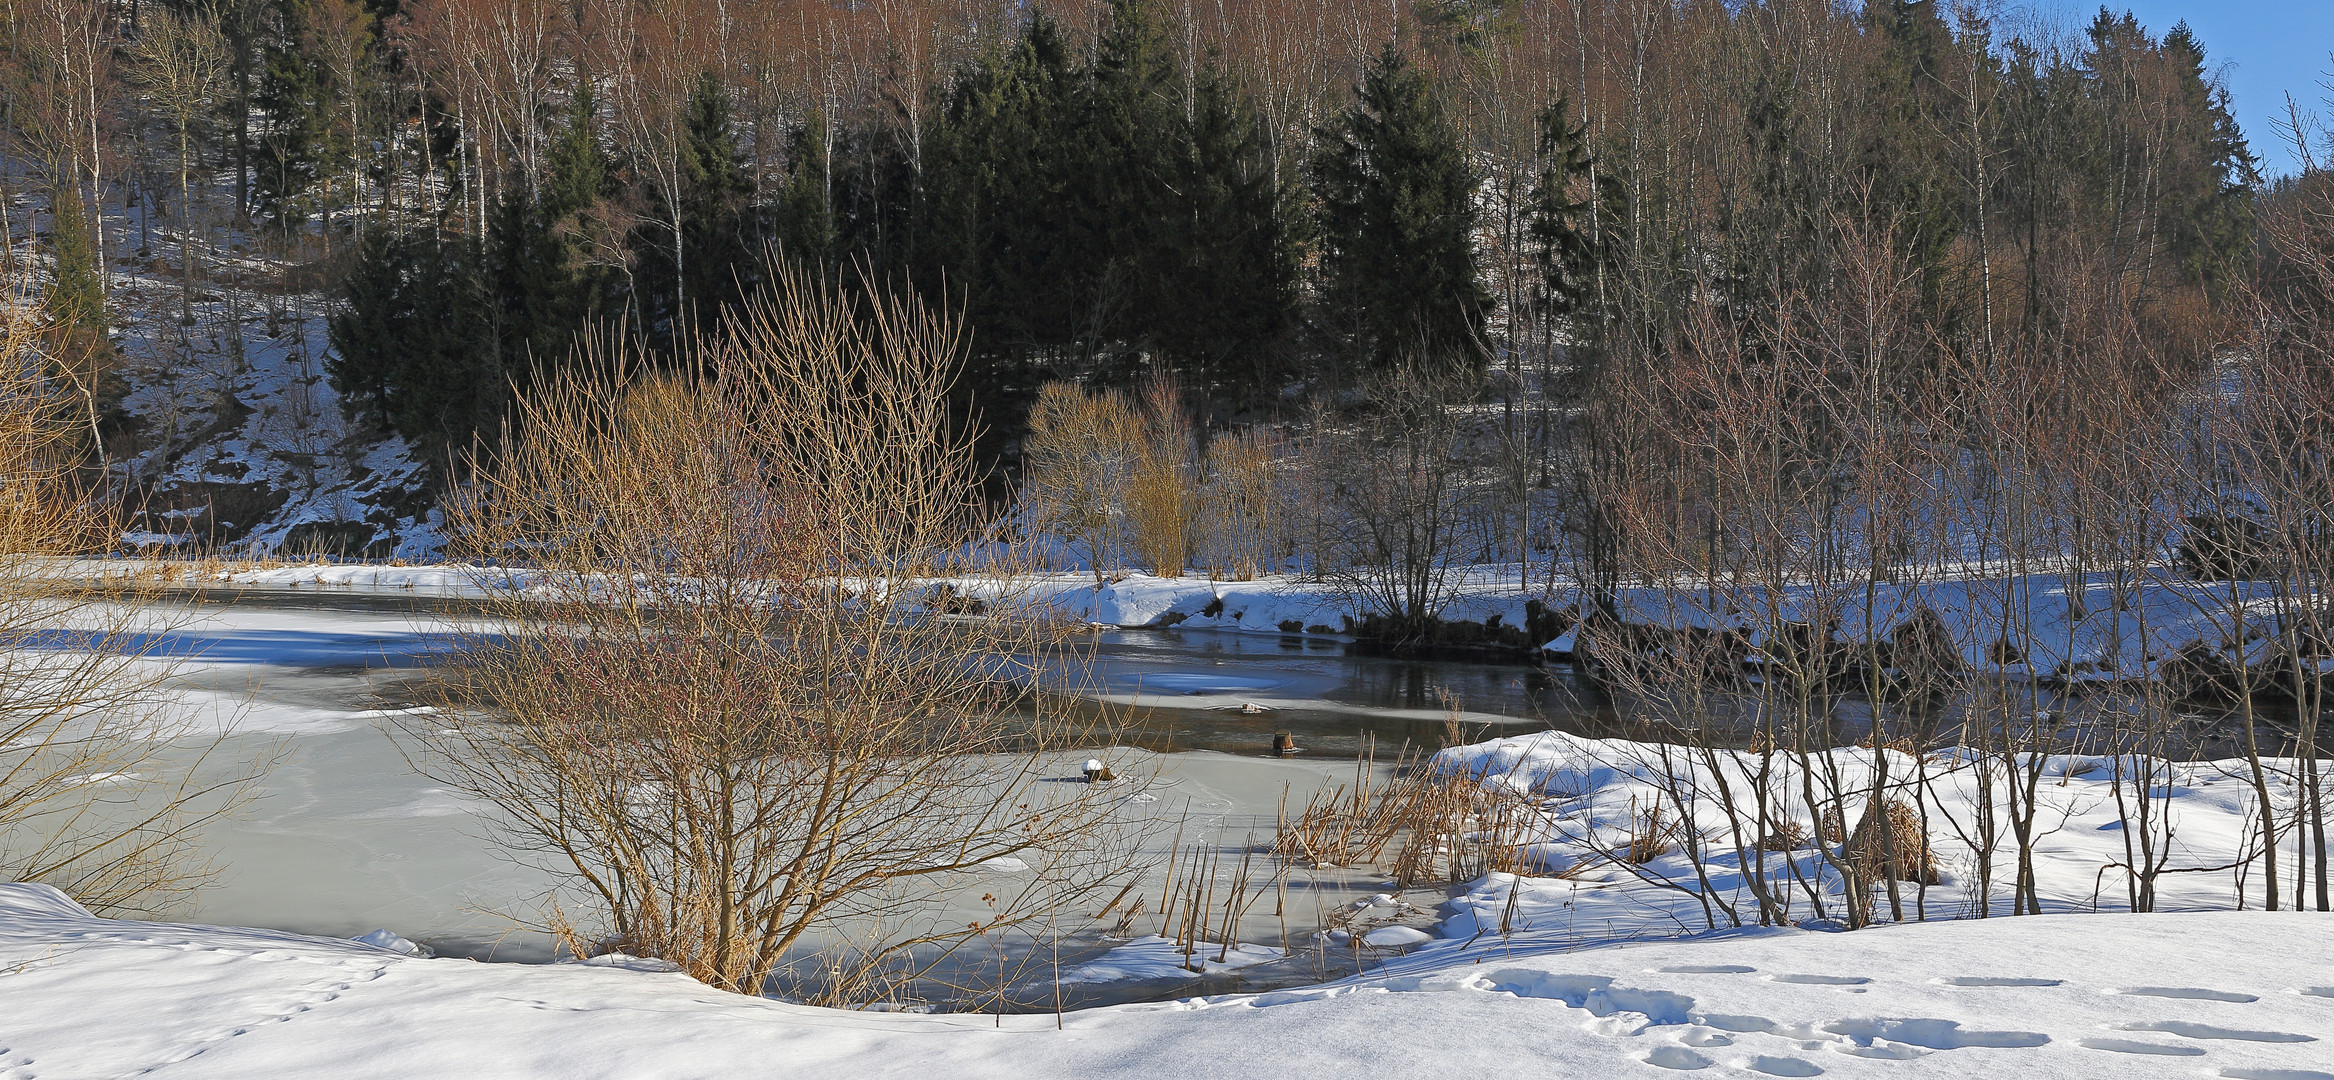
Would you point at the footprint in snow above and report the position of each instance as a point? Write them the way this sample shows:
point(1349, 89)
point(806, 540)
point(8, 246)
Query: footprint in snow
point(1723, 1022)
point(1821, 980)
point(1929, 1034)
point(1677, 1057)
point(2134, 1046)
point(1780, 1066)
point(1706, 969)
point(2188, 993)
point(2190, 1030)
point(1995, 980)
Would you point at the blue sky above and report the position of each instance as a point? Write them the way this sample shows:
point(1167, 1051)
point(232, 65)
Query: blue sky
point(2270, 48)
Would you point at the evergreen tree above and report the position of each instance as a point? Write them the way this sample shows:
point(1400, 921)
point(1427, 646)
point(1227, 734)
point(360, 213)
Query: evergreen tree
point(805, 223)
point(1566, 243)
point(405, 349)
point(2210, 184)
point(75, 298)
point(543, 287)
point(301, 145)
point(580, 173)
point(1397, 218)
point(1905, 151)
point(1132, 137)
point(999, 224)
point(718, 251)
point(1225, 281)
point(75, 304)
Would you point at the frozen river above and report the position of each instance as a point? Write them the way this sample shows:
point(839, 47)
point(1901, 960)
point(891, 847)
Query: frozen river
point(346, 837)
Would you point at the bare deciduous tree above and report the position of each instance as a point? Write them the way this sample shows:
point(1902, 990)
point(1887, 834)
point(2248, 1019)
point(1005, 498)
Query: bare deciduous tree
point(731, 709)
point(104, 790)
point(181, 62)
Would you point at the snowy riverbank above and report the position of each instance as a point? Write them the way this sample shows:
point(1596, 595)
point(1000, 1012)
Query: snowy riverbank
point(2219, 994)
point(2046, 627)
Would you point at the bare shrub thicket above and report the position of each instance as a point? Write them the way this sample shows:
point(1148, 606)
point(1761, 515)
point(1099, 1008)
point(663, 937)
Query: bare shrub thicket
point(2274, 481)
point(1245, 502)
point(1162, 491)
point(1400, 511)
point(730, 713)
point(1800, 497)
point(1115, 477)
point(1076, 459)
point(105, 786)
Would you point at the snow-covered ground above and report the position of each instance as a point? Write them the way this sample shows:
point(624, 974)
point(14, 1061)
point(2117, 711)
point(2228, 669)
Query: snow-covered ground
point(1585, 798)
point(233, 432)
point(2239, 995)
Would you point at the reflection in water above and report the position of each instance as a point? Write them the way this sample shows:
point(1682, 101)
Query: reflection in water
point(1232, 692)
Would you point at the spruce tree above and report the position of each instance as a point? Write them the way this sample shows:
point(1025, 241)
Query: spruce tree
point(543, 288)
point(1397, 217)
point(2210, 177)
point(997, 211)
point(805, 222)
point(1226, 278)
point(1121, 198)
point(75, 298)
point(995, 229)
point(301, 145)
point(405, 349)
point(1904, 149)
point(75, 305)
point(719, 254)
point(1567, 245)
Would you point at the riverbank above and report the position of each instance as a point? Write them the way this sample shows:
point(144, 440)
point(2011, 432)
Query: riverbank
point(2049, 628)
point(2219, 994)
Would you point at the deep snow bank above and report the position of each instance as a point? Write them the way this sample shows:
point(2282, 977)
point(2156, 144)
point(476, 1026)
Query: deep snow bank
point(1584, 798)
point(2226, 994)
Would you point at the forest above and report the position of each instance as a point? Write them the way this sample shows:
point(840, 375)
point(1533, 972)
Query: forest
point(1270, 202)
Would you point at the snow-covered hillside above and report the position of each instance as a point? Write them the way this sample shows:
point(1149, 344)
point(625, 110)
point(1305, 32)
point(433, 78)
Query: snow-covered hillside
point(2241, 995)
point(233, 434)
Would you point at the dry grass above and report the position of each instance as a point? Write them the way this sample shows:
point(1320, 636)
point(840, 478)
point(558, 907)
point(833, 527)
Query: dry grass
point(1829, 828)
point(1784, 835)
point(1892, 845)
point(1650, 837)
point(1420, 826)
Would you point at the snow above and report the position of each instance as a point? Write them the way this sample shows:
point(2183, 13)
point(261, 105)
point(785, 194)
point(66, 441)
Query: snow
point(1586, 796)
point(390, 941)
point(1395, 937)
point(1154, 957)
point(2064, 627)
point(2207, 994)
point(241, 423)
point(1608, 968)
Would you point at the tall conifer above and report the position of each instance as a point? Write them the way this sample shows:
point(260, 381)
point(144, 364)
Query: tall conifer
point(1397, 218)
